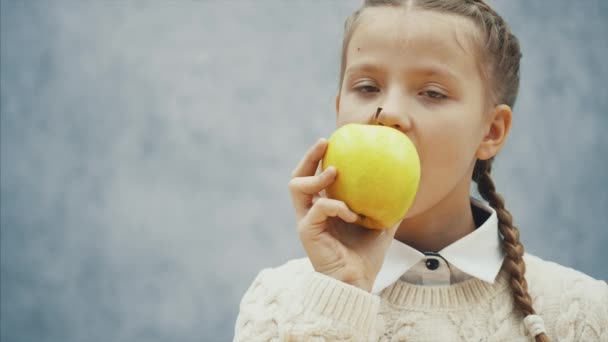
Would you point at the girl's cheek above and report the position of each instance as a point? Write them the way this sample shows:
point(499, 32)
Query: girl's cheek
point(352, 115)
point(342, 119)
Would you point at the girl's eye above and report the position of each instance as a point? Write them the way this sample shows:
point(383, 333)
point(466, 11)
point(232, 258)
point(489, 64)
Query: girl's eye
point(367, 89)
point(434, 95)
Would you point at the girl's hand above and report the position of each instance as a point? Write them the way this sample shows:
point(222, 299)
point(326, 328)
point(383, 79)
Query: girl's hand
point(335, 245)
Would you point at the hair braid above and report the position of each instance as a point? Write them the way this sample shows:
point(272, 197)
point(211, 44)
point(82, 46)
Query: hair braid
point(513, 264)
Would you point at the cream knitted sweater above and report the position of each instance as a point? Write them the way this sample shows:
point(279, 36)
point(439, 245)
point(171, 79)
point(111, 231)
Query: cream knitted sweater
point(294, 303)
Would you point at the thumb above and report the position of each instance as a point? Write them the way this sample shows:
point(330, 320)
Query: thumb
point(389, 234)
point(392, 230)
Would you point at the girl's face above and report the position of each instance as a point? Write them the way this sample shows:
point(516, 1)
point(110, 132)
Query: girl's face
point(420, 67)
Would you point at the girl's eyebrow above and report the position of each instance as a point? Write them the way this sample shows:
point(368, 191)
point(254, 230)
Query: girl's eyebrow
point(362, 67)
point(429, 69)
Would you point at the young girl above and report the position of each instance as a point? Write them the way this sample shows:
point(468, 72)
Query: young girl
point(446, 74)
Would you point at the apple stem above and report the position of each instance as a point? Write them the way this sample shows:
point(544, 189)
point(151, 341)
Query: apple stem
point(377, 114)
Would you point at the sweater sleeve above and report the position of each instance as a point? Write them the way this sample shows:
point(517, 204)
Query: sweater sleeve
point(316, 308)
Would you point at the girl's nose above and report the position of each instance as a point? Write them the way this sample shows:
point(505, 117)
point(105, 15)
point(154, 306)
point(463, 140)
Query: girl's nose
point(392, 117)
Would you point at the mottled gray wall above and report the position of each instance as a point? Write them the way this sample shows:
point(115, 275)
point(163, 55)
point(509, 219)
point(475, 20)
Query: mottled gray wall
point(147, 145)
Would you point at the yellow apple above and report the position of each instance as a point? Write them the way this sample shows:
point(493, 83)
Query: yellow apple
point(378, 172)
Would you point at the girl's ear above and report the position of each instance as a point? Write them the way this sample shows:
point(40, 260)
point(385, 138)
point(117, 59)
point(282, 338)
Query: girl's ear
point(497, 129)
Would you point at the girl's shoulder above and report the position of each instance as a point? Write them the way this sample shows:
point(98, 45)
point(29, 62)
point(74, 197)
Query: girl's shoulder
point(543, 273)
point(288, 272)
point(283, 278)
point(571, 302)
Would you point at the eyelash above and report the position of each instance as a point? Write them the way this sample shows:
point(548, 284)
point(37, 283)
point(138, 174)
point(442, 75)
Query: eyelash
point(433, 95)
point(363, 87)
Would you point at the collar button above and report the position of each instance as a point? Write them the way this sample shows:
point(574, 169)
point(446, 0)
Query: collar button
point(432, 264)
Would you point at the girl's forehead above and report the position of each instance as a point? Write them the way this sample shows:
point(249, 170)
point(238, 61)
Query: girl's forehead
point(412, 35)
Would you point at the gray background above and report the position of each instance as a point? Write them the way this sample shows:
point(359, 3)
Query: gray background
point(147, 145)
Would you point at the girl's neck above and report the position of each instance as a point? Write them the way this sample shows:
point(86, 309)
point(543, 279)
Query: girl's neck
point(441, 225)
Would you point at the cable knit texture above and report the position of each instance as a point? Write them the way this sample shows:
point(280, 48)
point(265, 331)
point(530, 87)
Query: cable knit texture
point(294, 303)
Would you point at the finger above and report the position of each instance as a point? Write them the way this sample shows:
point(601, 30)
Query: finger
point(303, 189)
point(321, 211)
point(308, 165)
point(312, 185)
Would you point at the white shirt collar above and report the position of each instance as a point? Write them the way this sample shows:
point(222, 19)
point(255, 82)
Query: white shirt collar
point(478, 254)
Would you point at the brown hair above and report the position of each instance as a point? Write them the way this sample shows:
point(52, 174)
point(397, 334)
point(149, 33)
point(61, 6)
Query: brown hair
point(499, 56)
